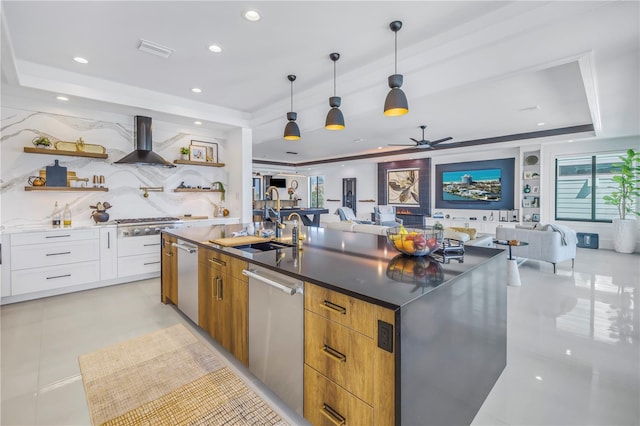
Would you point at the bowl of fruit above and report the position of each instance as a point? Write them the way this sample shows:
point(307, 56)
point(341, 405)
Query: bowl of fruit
point(414, 241)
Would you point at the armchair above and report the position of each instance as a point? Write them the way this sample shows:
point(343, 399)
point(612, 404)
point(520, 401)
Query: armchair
point(386, 215)
point(347, 214)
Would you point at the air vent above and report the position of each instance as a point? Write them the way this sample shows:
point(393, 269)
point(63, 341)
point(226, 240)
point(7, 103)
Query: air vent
point(155, 48)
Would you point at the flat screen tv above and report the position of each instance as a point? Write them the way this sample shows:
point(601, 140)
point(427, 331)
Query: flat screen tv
point(481, 185)
point(278, 182)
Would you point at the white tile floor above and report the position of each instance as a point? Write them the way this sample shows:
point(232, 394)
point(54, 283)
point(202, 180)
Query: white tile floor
point(573, 351)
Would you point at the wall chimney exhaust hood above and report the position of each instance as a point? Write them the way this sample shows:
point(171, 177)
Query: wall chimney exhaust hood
point(143, 153)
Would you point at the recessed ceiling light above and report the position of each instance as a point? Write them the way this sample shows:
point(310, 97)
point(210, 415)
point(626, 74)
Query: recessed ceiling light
point(196, 90)
point(541, 124)
point(359, 140)
point(215, 48)
point(568, 352)
point(62, 98)
point(379, 147)
point(197, 123)
point(251, 15)
point(539, 378)
point(80, 60)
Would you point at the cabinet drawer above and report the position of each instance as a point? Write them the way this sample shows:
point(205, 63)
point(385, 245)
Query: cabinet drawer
point(340, 308)
point(133, 246)
point(53, 277)
point(59, 253)
point(327, 404)
point(138, 265)
point(340, 354)
point(58, 235)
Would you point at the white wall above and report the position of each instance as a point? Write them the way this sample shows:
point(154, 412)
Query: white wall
point(115, 133)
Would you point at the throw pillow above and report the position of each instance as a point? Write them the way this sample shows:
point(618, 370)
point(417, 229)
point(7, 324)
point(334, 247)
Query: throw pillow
point(469, 231)
point(455, 235)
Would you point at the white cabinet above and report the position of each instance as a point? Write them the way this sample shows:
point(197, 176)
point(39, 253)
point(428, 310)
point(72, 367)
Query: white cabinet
point(43, 261)
point(139, 255)
point(108, 253)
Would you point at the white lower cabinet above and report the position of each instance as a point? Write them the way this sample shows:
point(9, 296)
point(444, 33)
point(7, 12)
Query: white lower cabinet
point(43, 261)
point(139, 255)
point(108, 253)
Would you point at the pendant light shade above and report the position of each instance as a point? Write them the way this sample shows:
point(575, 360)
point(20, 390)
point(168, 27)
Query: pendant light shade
point(335, 119)
point(396, 102)
point(291, 130)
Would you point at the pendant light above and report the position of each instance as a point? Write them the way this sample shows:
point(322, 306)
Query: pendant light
point(396, 102)
point(291, 130)
point(335, 119)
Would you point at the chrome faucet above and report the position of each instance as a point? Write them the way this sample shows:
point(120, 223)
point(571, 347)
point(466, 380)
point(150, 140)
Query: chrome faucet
point(279, 225)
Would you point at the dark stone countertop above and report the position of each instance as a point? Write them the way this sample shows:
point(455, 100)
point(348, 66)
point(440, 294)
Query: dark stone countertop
point(358, 264)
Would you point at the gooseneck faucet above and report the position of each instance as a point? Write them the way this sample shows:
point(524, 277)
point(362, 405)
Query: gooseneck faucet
point(279, 225)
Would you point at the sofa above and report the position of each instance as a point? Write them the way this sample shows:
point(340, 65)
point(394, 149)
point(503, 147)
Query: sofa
point(547, 243)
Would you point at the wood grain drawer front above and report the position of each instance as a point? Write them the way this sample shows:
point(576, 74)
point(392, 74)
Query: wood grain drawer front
point(59, 235)
point(42, 255)
point(327, 404)
point(53, 277)
point(342, 355)
point(340, 308)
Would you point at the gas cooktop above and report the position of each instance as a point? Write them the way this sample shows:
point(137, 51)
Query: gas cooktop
point(147, 220)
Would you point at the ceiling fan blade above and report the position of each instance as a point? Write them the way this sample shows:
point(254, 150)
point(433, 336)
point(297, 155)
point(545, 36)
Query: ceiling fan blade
point(401, 144)
point(440, 140)
point(416, 141)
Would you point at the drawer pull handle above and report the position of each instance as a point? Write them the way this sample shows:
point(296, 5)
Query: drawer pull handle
point(59, 276)
point(150, 263)
point(332, 415)
point(218, 288)
point(333, 307)
point(149, 245)
point(333, 354)
point(217, 262)
point(58, 236)
point(58, 254)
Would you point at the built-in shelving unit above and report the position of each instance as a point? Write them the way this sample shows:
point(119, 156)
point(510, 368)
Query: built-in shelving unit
point(64, 188)
point(195, 190)
point(198, 163)
point(530, 191)
point(62, 152)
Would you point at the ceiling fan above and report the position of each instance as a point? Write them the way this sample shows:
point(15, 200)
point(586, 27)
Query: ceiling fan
point(422, 143)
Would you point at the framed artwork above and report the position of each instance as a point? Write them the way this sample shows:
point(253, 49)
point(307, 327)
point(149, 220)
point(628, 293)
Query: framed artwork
point(528, 175)
point(197, 153)
point(403, 187)
point(535, 217)
point(526, 203)
point(535, 190)
point(210, 150)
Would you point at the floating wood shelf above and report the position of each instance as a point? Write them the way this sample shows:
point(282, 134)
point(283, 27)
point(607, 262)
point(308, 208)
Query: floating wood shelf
point(195, 190)
point(62, 152)
point(64, 188)
point(331, 199)
point(198, 163)
point(366, 201)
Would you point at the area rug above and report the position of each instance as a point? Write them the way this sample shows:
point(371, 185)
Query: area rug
point(168, 377)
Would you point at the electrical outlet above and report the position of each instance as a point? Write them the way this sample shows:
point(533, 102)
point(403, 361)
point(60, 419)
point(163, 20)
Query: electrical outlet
point(385, 336)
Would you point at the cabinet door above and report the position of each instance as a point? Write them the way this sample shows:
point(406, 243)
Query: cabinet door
point(169, 272)
point(108, 253)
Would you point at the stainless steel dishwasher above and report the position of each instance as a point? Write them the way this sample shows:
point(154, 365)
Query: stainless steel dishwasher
point(187, 279)
point(276, 331)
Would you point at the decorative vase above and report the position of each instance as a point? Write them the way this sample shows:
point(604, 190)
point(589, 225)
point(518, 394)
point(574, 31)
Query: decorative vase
point(100, 216)
point(184, 156)
point(624, 235)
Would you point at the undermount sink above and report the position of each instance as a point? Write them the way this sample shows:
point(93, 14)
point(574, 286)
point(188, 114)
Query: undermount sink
point(265, 246)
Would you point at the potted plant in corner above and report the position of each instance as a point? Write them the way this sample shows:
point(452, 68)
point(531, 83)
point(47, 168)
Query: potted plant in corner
point(624, 198)
point(184, 153)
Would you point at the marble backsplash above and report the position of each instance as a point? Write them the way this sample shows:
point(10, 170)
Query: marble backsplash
point(19, 207)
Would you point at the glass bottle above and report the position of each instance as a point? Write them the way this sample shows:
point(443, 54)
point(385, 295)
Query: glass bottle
point(55, 216)
point(66, 216)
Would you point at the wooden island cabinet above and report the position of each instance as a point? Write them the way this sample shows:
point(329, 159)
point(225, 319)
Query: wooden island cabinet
point(169, 270)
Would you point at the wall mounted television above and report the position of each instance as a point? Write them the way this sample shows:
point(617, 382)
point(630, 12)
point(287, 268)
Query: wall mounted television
point(278, 182)
point(480, 185)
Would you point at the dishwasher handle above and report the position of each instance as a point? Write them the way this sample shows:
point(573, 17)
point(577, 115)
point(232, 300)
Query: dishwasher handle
point(289, 290)
point(188, 249)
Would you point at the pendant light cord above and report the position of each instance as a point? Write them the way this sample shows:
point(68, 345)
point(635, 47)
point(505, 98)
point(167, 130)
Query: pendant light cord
point(292, 96)
point(395, 50)
point(334, 78)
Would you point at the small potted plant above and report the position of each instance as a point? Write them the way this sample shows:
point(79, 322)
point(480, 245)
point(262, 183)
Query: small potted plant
point(624, 198)
point(42, 142)
point(184, 153)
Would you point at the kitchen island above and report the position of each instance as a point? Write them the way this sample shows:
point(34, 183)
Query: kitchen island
point(310, 216)
point(434, 332)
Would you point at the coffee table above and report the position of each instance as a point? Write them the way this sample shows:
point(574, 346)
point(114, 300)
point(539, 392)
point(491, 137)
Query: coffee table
point(513, 275)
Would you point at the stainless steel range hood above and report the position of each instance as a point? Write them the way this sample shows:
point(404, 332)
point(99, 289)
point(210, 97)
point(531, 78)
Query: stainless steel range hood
point(143, 153)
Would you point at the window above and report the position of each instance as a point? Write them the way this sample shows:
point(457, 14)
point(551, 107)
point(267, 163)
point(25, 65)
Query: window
point(581, 184)
point(316, 191)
